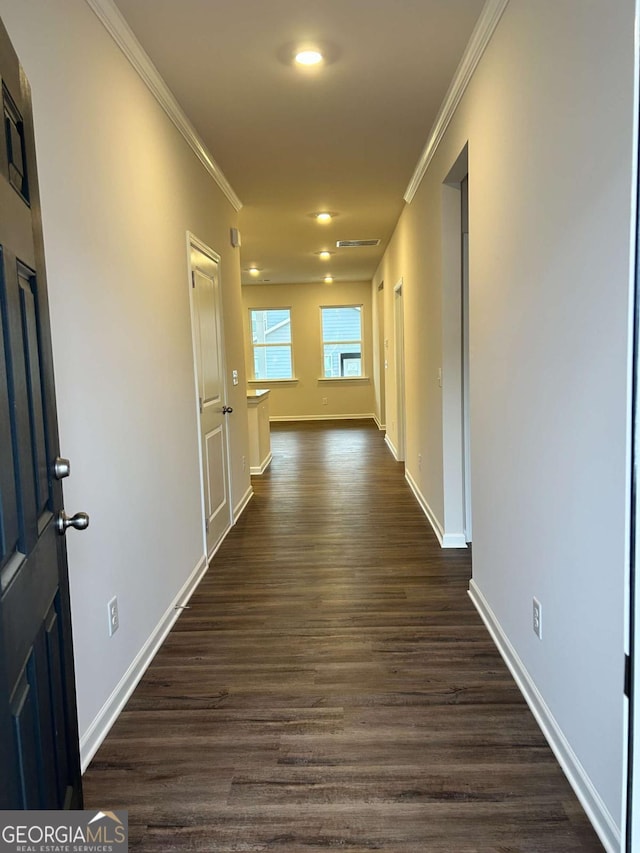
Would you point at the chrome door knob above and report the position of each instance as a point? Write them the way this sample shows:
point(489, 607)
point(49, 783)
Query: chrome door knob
point(61, 468)
point(80, 521)
point(227, 410)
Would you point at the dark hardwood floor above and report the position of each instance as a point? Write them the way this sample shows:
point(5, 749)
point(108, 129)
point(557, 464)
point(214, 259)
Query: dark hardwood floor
point(332, 687)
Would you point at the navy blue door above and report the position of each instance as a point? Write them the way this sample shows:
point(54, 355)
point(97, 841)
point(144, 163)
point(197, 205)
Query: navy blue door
point(39, 753)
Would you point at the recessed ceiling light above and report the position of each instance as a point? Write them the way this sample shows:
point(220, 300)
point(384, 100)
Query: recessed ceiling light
point(309, 57)
point(324, 255)
point(328, 279)
point(312, 54)
point(323, 216)
point(254, 271)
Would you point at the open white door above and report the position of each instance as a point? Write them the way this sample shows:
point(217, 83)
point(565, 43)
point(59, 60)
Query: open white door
point(208, 347)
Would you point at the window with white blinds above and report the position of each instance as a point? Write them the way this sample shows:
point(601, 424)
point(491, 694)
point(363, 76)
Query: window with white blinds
point(271, 342)
point(342, 341)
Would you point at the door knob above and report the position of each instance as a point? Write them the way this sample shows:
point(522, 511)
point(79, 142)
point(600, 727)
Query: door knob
point(61, 468)
point(80, 521)
point(227, 410)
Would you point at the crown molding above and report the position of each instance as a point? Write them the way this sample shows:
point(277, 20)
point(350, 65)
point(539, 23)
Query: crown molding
point(480, 37)
point(119, 30)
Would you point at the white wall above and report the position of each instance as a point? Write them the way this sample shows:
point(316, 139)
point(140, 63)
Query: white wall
point(120, 188)
point(548, 118)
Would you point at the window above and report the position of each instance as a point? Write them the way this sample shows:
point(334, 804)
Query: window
point(271, 341)
point(342, 341)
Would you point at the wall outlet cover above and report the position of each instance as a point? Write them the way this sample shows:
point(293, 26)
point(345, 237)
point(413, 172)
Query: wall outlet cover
point(537, 618)
point(114, 616)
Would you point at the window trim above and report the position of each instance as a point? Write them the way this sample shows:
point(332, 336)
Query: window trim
point(323, 377)
point(253, 377)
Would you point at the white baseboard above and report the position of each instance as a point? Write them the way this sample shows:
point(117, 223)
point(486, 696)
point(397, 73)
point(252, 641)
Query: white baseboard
point(592, 803)
point(242, 504)
point(380, 425)
point(294, 418)
point(391, 447)
point(260, 469)
point(431, 516)
point(91, 740)
point(446, 540)
point(454, 540)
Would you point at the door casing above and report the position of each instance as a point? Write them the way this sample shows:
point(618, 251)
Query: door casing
point(398, 305)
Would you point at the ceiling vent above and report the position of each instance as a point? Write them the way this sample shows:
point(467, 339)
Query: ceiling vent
point(356, 244)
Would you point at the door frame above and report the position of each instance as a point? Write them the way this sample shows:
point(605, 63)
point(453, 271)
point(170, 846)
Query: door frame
point(398, 329)
point(631, 803)
point(194, 242)
point(454, 385)
point(381, 356)
point(466, 363)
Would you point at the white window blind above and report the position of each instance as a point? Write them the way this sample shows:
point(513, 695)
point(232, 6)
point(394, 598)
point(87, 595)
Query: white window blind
point(342, 341)
point(271, 341)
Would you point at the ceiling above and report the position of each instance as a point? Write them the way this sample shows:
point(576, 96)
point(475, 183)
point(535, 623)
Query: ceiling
point(344, 138)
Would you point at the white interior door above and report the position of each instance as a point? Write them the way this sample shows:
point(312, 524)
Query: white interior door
point(208, 341)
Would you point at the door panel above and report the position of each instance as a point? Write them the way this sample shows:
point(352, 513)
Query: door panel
point(217, 499)
point(26, 733)
point(212, 378)
point(209, 355)
point(9, 529)
point(32, 355)
point(54, 637)
point(39, 752)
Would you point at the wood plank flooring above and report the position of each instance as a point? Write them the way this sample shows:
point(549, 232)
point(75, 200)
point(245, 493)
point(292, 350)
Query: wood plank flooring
point(332, 687)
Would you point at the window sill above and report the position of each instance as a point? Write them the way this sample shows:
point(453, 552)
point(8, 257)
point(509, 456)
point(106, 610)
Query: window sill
point(343, 379)
point(267, 382)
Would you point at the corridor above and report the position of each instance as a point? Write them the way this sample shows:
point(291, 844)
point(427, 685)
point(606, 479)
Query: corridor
point(332, 687)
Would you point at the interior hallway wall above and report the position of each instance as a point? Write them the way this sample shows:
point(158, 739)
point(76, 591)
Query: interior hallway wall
point(548, 117)
point(120, 188)
point(303, 398)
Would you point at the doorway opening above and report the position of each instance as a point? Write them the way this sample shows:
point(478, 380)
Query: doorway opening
point(455, 376)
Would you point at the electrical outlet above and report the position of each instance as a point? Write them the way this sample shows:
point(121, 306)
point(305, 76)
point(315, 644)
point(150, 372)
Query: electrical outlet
point(324, 401)
point(420, 461)
point(114, 617)
point(537, 618)
point(234, 376)
point(244, 463)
